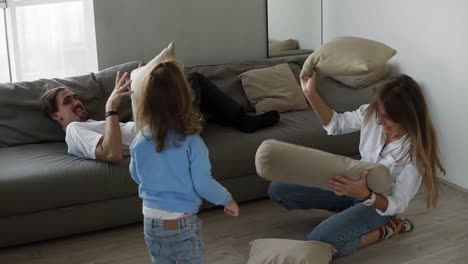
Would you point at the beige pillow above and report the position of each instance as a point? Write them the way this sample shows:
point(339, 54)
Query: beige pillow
point(138, 75)
point(366, 80)
point(273, 88)
point(347, 56)
point(288, 163)
point(285, 251)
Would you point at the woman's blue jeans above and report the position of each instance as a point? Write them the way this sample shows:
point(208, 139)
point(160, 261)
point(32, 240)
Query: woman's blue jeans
point(343, 230)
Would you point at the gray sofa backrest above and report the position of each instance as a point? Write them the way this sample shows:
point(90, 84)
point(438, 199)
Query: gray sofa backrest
point(106, 79)
point(22, 122)
point(21, 119)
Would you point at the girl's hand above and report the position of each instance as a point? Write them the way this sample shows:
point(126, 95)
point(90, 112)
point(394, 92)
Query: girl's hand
point(232, 208)
point(309, 84)
point(344, 186)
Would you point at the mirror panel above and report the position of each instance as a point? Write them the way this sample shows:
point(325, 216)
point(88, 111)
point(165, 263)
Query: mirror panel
point(294, 27)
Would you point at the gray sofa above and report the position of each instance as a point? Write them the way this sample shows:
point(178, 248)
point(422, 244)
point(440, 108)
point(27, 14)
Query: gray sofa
point(46, 193)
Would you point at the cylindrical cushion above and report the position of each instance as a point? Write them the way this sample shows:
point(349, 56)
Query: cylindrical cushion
point(289, 163)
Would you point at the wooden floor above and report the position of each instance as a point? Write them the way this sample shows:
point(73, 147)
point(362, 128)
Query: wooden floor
point(440, 236)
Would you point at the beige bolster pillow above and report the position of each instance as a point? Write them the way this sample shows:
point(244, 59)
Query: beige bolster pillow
point(289, 163)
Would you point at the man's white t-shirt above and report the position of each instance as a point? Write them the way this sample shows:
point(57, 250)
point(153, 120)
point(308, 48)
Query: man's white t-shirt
point(82, 138)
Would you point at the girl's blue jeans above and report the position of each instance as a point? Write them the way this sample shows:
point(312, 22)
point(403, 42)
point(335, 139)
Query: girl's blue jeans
point(172, 242)
point(343, 230)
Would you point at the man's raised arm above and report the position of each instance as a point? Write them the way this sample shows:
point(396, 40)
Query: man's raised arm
point(109, 147)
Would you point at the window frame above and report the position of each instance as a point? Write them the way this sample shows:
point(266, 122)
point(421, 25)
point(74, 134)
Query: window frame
point(3, 10)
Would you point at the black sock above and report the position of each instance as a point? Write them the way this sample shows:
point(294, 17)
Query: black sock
point(250, 124)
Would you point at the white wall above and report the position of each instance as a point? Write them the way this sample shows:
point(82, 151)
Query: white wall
point(431, 37)
point(204, 31)
point(296, 19)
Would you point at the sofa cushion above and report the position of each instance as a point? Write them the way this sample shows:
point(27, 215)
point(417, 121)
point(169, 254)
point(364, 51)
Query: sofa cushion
point(273, 88)
point(106, 79)
point(21, 118)
point(42, 176)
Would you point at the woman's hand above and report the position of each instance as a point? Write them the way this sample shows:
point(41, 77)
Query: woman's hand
point(357, 189)
point(121, 89)
point(309, 84)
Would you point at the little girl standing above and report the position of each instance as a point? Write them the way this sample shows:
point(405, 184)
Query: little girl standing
point(170, 163)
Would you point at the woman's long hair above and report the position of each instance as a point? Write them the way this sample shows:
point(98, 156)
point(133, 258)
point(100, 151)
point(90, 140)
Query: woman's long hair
point(167, 104)
point(404, 104)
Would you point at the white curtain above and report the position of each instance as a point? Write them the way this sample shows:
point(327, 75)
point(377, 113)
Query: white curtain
point(53, 39)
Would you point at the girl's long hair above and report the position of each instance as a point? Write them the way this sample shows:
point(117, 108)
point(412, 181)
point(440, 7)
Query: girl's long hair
point(405, 104)
point(167, 104)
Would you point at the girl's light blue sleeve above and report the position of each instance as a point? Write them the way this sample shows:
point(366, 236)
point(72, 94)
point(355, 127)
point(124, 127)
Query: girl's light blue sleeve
point(133, 166)
point(200, 169)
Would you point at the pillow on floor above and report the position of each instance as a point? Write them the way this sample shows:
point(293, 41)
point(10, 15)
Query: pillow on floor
point(347, 56)
point(286, 251)
point(138, 75)
point(289, 163)
point(273, 88)
point(365, 80)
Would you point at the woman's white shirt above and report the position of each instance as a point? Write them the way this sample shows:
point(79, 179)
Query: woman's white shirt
point(395, 156)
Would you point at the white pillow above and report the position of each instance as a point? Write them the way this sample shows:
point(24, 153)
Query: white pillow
point(138, 75)
point(286, 251)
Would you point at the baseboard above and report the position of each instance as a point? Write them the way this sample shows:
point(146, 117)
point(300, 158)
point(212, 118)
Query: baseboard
point(453, 185)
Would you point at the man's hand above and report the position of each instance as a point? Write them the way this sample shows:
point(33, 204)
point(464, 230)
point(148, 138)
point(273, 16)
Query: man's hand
point(357, 189)
point(121, 89)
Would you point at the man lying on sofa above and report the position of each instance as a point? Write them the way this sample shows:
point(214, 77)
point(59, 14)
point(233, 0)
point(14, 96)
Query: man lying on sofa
point(86, 138)
point(109, 140)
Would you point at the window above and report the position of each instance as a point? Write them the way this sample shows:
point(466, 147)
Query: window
point(51, 38)
point(4, 61)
